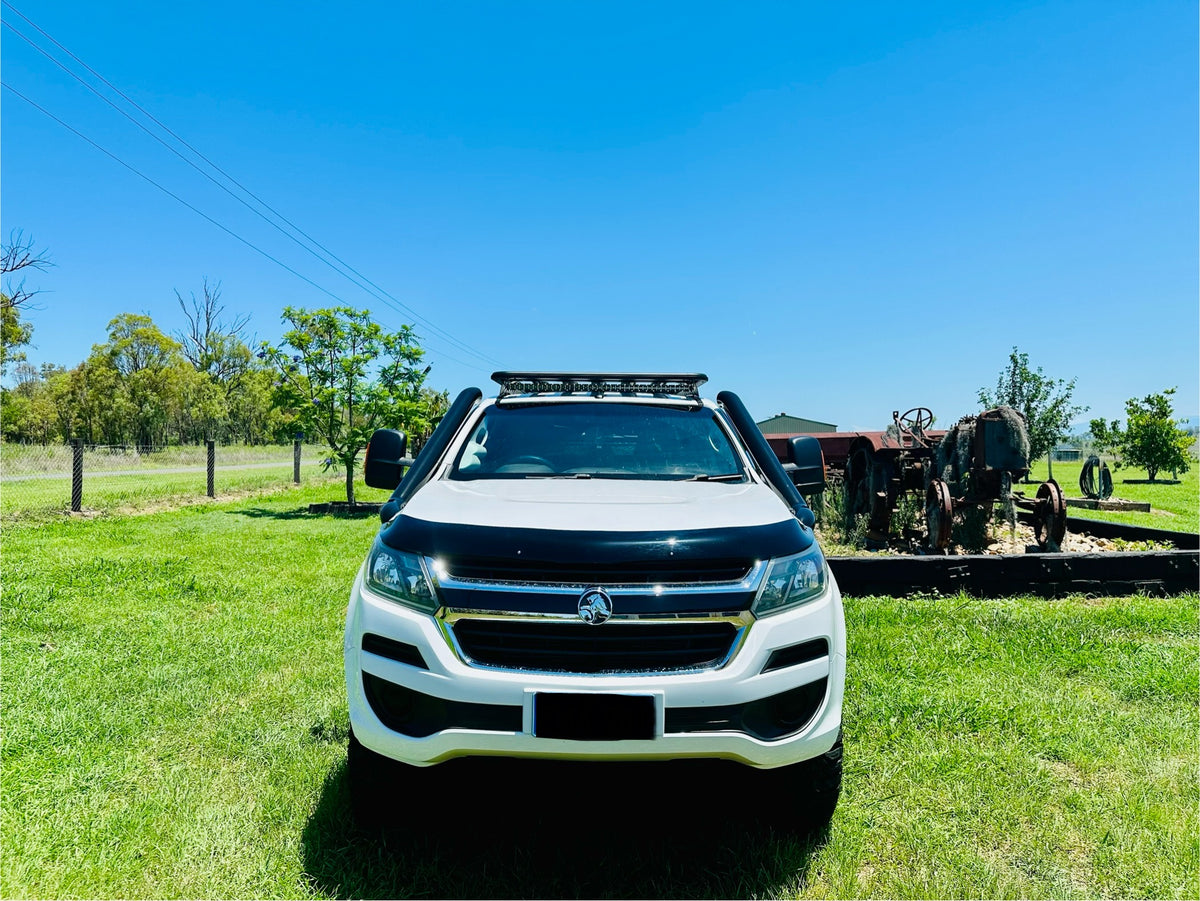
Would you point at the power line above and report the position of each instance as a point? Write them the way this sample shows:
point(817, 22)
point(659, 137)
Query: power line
point(382, 297)
point(379, 293)
point(400, 306)
point(218, 184)
point(196, 210)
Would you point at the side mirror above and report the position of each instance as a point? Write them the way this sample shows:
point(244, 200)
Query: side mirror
point(807, 464)
point(383, 466)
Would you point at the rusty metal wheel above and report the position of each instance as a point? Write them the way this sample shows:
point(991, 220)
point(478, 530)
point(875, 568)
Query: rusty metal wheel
point(1050, 515)
point(939, 514)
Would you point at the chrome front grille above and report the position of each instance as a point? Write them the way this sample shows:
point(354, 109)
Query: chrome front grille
point(530, 623)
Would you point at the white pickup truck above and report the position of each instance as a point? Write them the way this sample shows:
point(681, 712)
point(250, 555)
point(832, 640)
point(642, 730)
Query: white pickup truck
point(596, 566)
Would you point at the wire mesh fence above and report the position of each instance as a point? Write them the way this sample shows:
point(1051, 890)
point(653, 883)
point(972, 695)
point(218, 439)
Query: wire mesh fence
point(41, 480)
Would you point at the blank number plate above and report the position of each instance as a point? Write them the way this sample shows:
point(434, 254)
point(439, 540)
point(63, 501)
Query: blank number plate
point(593, 717)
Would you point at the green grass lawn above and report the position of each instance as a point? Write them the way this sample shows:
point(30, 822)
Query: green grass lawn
point(1174, 507)
point(49, 497)
point(175, 726)
point(35, 480)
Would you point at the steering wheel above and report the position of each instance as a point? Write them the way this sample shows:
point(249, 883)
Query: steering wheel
point(530, 458)
point(918, 419)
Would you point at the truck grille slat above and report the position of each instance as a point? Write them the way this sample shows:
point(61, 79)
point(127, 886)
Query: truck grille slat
point(612, 647)
point(692, 572)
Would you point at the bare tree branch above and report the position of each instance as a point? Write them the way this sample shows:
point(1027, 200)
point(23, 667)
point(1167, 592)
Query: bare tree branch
point(17, 255)
point(209, 343)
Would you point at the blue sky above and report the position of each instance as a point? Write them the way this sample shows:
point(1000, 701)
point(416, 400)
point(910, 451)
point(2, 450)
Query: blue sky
point(836, 210)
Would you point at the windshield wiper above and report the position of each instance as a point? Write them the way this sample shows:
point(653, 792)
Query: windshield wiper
point(723, 477)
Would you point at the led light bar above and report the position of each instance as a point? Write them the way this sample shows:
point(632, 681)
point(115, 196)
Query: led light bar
point(598, 384)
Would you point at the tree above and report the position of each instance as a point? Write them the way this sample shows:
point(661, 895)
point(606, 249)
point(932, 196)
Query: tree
point(135, 382)
point(1044, 402)
point(27, 412)
point(16, 257)
point(202, 410)
point(346, 377)
point(433, 407)
point(135, 343)
point(210, 344)
point(1152, 439)
point(254, 417)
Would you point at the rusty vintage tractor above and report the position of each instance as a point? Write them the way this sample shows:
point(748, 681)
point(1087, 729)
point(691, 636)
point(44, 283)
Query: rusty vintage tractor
point(969, 466)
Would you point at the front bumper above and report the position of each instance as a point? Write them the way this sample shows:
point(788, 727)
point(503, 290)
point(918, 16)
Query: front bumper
point(472, 711)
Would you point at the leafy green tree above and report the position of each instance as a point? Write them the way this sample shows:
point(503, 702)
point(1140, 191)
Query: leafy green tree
point(16, 257)
point(1106, 436)
point(135, 382)
point(1152, 439)
point(28, 410)
point(14, 332)
point(433, 407)
point(58, 391)
point(14, 415)
point(136, 343)
point(344, 376)
point(1044, 402)
point(254, 417)
point(201, 410)
point(89, 402)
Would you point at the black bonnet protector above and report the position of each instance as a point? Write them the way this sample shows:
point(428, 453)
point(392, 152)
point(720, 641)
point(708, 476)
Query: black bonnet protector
point(587, 558)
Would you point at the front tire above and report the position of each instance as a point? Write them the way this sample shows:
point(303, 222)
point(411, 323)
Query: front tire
point(378, 785)
point(802, 797)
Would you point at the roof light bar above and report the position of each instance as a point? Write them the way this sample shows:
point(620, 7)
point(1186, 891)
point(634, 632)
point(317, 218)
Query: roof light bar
point(685, 384)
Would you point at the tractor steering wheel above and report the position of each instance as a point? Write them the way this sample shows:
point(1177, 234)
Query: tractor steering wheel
point(918, 419)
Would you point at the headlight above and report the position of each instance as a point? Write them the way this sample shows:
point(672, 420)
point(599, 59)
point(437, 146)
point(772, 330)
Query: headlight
point(791, 581)
point(400, 576)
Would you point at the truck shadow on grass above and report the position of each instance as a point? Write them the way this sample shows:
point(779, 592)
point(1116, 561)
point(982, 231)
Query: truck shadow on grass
point(305, 513)
point(525, 829)
point(264, 513)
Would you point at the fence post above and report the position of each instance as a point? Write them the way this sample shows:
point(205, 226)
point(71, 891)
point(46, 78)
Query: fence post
point(212, 466)
point(296, 457)
point(76, 475)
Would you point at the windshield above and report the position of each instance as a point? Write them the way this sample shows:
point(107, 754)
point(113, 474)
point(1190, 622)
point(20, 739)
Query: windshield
point(598, 440)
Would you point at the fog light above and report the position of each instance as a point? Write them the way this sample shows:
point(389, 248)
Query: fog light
point(794, 708)
point(392, 703)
